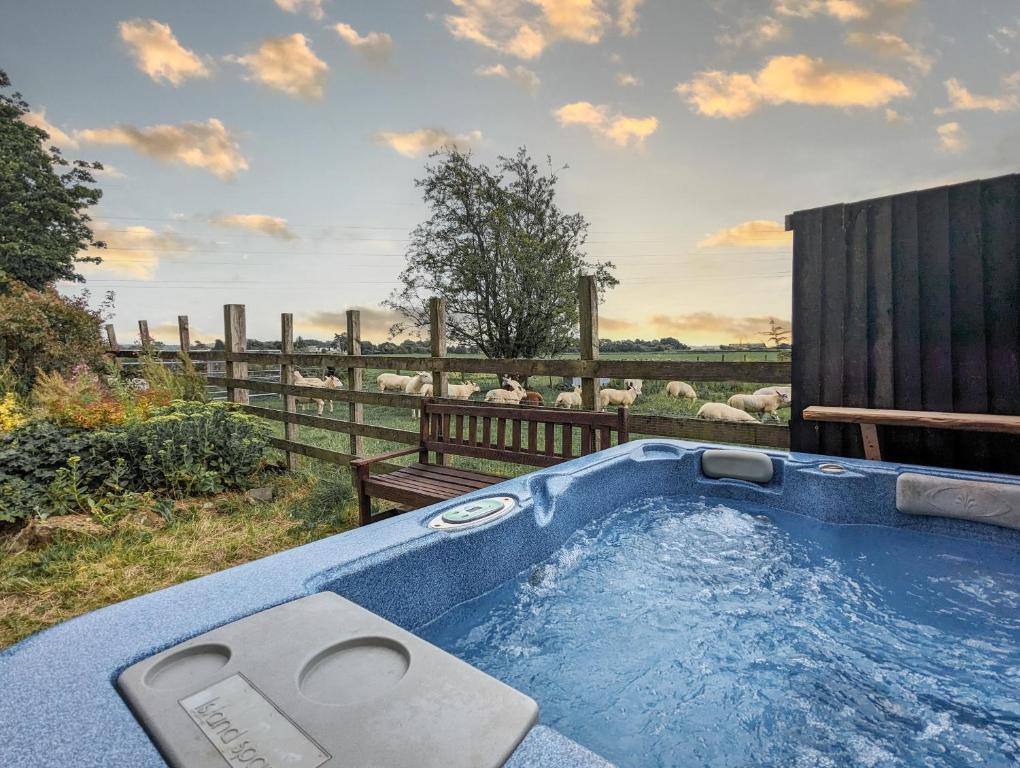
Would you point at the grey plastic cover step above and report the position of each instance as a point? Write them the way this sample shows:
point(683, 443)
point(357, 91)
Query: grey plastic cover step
point(982, 502)
point(737, 464)
point(321, 681)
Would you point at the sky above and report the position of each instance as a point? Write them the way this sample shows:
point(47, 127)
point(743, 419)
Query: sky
point(264, 152)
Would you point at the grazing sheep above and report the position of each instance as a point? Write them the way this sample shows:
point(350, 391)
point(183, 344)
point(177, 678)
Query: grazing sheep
point(678, 389)
point(723, 412)
point(624, 397)
point(636, 384)
point(569, 399)
point(462, 391)
point(505, 396)
point(392, 382)
point(298, 380)
point(532, 398)
point(784, 391)
point(513, 385)
point(416, 385)
point(764, 404)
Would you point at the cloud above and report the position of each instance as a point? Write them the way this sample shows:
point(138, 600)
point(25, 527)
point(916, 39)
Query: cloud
point(525, 28)
point(520, 75)
point(893, 117)
point(376, 47)
point(951, 138)
point(287, 64)
point(1005, 37)
point(375, 323)
point(627, 16)
point(627, 80)
point(312, 8)
point(702, 325)
point(750, 234)
point(37, 119)
point(274, 226)
point(891, 46)
point(843, 10)
point(617, 128)
point(962, 100)
point(209, 145)
point(754, 33)
point(158, 54)
point(168, 332)
point(789, 80)
point(132, 252)
point(423, 140)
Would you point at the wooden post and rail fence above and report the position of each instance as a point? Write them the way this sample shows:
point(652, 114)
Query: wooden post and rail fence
point(588, 367)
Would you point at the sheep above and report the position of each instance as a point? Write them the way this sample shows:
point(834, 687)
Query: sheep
point(506, 396)
point(392, 382)
point(637, 384)
point(532, 398)
point(763, 404)
point(624, 397)
point(723, 412)
point(462, 391)
point(784, 391)
point(298, 380)
point(678, 389)
point(569, 399)
point(513, 385)
point(416, 386)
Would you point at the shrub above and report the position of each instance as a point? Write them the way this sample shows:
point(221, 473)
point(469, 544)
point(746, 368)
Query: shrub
point(180, 450)
point(42, 330)
point(11, 414)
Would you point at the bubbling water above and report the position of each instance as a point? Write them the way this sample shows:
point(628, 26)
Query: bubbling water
point(687, 632)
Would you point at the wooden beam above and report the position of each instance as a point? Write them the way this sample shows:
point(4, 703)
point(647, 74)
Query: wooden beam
point(111, 337)
point(869, 437)
point(437, 342)
point(588, 310)
point(701, 430)
point(143, 334)
point(319, 393)
point(356, 411)
point(184, 334)
point(967, 422)
point(324, 454)
point(390, 434)
point(290, 431)
point(235, 340)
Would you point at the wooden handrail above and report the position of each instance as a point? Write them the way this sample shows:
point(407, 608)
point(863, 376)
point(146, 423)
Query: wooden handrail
point(871, 418)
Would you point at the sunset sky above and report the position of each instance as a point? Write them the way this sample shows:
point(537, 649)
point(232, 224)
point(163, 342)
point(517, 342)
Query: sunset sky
point(263, 151)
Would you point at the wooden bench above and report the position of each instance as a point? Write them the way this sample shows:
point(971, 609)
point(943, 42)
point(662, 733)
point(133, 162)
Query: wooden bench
point(872, 418)
point(479, 431)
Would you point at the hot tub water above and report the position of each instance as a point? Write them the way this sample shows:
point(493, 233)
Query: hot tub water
point(678, 632)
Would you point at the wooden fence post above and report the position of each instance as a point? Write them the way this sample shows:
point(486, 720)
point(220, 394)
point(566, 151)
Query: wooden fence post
point(356, 411)
point(286, 377)
point(111, 337)
point(184, 334)
point(235, 339)
point(143, 333)
point(437, 342)
point(588, 298)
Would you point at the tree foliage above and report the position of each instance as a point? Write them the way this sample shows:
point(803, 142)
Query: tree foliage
point(498, 248)
point(44, 200)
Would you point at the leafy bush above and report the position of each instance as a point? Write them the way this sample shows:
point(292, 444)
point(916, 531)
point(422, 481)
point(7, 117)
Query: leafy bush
point(181, 450)
point(82, 400)
point(11, 414)
point(42, 330)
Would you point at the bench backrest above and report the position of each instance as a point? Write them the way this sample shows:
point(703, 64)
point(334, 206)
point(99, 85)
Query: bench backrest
point(482, 431)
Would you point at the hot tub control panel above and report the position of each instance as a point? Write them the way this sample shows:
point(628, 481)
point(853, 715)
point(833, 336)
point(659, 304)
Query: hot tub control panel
point(474, 512)
point(321, 681)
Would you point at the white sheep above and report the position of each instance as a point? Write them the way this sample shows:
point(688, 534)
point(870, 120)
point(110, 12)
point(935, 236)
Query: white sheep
point(506, 396)
point(392, 382)
point(624, 397)
point(298, 380)
point(678, 389)
point(416, 385)
point(514, 385)
point(764, 404)
point(637, 384)
point(723, 412)
point(569, 399)
point(462, 391)
point(784, 391)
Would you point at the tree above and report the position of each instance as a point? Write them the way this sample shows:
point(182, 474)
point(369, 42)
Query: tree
point(44, 223)
point(500, 251)
point(776, 333)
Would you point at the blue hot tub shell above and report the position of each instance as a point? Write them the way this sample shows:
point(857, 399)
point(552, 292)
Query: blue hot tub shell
point(61, 706)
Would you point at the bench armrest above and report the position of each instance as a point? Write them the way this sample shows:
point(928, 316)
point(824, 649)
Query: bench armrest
point(383, 457)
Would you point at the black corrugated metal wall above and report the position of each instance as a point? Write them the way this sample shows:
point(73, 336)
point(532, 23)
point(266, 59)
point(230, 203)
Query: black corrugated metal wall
point(910, 302)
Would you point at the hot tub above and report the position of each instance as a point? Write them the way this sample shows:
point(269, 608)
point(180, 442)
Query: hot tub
point(659, 603)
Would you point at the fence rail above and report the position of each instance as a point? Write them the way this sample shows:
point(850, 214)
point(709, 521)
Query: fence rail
point(231, 370)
